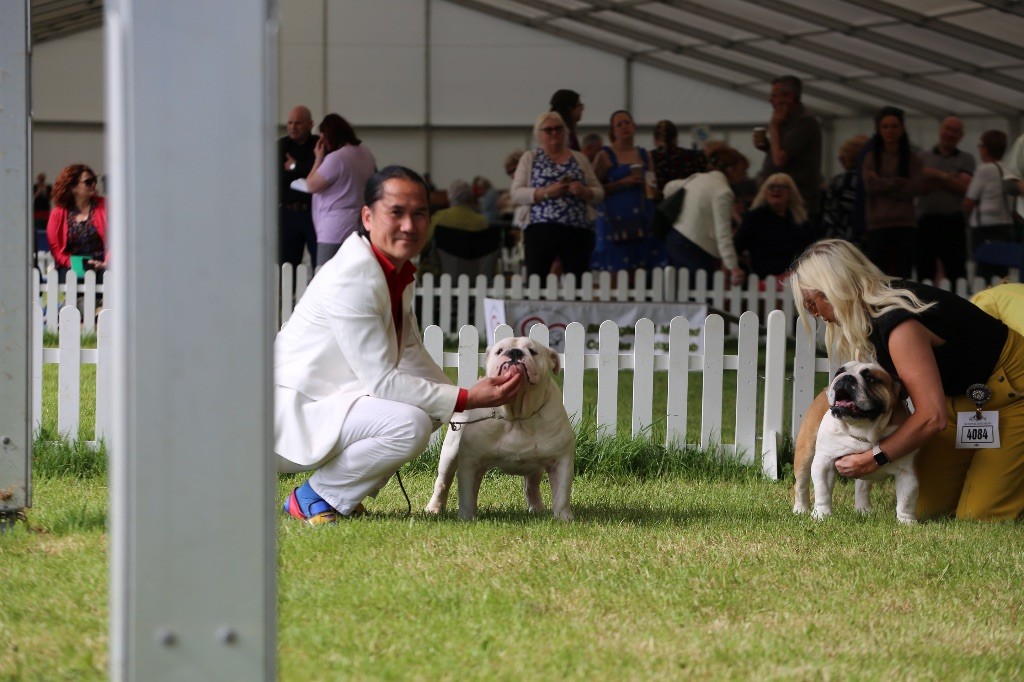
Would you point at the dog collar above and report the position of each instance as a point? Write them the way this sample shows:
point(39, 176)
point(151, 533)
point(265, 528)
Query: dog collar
point(880, 457)
point(455, 426)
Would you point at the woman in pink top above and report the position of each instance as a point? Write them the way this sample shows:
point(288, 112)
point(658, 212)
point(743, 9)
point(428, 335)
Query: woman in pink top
point(341, 168)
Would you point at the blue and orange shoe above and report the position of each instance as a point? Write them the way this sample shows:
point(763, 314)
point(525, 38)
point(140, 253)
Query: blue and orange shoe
point(305, 505)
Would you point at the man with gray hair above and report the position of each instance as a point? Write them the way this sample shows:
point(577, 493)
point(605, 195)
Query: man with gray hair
point(942, 226)
point(464, 243)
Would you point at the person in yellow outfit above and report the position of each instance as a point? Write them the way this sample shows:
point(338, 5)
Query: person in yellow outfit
point(939, 345)
point(1004, 302)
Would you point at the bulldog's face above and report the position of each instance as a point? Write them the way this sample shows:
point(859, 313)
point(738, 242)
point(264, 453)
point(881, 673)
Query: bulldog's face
point(521, 354)
point(862, 391)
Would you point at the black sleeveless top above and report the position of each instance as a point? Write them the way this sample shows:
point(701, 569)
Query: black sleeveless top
point(974, 339)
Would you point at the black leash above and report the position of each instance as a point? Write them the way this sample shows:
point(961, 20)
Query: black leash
point(408, 502)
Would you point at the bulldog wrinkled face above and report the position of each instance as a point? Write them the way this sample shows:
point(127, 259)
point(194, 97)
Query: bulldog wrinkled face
point(521, 354)
point(862, 390)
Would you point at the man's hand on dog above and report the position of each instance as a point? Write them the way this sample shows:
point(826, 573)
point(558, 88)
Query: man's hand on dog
point(495, 391)
point(857, 465)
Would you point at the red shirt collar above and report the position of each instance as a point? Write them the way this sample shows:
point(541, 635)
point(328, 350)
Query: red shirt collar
point(393, 275)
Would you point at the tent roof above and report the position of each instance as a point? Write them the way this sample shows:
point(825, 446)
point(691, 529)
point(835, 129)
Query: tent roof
point(931, 57)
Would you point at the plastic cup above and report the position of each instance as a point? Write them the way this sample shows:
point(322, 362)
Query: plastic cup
point(78, 265)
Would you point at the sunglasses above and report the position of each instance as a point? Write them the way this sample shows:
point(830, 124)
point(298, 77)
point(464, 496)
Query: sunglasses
point(89, 182)
point(811, 304)
point(551, 130)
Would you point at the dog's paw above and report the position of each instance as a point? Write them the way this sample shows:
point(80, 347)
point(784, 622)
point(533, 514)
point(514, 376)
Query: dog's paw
point(563, 516)
point(821, 514)
point(864, 511)
point(907, 520)
point(800, 508)
point(433, 508)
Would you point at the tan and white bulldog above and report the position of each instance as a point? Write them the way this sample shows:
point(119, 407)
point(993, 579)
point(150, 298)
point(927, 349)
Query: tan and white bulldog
point(861, 406)
point(528, 436)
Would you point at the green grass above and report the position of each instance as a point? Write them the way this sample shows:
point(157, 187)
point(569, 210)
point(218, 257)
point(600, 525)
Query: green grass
point(698, 573)
point(680, 564)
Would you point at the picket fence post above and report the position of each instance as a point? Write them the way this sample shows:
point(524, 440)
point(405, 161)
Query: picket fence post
point(104, 376)
point(774, 392)
point(572, 370)
point(607, 377)
point(678, 380)
point(52, 302)
point(746, 388)
point(69, 370)
point(37, 366)
point(643, 376)
point(714, 365)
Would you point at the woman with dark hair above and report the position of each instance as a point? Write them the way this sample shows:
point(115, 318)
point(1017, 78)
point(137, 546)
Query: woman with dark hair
point(356, 394)
point(989, 210)
point(624, 238)
point(78, 221)
point(702, 234)
point(892, 178)
point(672, 162)
point(567, 104)
point(342, 165)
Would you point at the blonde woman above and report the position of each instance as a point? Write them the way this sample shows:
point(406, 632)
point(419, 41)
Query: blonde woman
point(558, 184)
point(938, 345)
point(775, 229)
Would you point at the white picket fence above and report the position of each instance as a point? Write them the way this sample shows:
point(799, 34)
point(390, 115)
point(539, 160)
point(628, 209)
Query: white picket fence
point(751, 439)
point(454, 303)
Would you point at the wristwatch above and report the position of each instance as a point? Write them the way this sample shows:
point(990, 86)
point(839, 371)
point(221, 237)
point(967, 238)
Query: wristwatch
point(880, 458)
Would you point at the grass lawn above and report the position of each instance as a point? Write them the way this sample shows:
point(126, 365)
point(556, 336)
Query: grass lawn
point(678, 566)
point(701, 572)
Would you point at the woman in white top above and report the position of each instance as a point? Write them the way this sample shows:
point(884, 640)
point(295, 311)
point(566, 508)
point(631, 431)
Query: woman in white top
point(342, 165)
point(703, 230)
point(987, 207)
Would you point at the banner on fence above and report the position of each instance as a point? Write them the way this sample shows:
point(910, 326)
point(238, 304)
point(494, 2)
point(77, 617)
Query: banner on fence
point(521, 315)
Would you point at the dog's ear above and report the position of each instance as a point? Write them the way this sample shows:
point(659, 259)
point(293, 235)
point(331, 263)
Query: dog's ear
point(901, 391)
point(556, 363)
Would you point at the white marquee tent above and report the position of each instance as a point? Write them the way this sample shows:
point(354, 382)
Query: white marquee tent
point(450, 86)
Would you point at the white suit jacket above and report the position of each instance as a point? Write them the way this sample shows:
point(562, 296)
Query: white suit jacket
point(340, 341)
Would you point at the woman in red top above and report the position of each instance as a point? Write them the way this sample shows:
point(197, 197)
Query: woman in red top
point(78, 221)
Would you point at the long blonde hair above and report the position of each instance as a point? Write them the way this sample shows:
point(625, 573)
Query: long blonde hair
point(796, 202)
point(857, 291)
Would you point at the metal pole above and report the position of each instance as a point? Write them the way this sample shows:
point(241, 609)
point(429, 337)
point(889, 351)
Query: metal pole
point(16, 239)
point(191, 123)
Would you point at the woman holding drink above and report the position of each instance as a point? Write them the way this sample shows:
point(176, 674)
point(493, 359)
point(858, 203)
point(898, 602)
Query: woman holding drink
point(624, 238)
point(557, 184)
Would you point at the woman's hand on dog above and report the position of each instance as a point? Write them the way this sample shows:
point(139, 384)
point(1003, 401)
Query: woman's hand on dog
point(857, 465)
point(494, 391)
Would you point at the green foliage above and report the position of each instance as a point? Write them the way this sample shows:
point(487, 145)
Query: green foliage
point(55, 456)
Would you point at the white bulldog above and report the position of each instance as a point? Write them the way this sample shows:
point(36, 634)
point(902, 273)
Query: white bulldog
point(861, 406)
point(528, 436)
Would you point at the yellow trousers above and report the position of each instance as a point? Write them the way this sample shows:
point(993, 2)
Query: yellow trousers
point(980, 483)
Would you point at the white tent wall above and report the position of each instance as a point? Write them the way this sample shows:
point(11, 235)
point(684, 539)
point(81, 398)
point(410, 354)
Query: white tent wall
point(488, 80)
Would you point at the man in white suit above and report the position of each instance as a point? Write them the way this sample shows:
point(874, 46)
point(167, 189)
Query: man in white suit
point(356, 393)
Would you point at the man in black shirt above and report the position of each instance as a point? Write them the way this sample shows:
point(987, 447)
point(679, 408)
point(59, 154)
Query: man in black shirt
point(294, 161)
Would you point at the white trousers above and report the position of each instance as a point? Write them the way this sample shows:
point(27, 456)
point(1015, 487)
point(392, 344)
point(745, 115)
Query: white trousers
point(377, 438)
